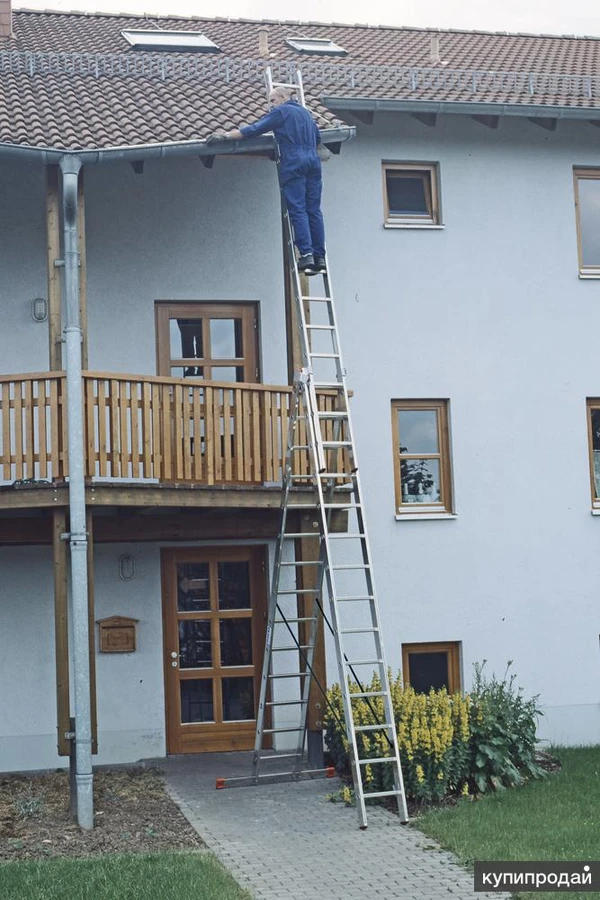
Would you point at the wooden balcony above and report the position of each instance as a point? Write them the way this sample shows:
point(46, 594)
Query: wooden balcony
point(148, 431)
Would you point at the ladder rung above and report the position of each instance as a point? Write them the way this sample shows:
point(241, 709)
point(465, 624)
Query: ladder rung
point(360, 694)
point(299, 447)
point(289, 674)
point(287, 621)
point(273, 757)
point(302, 534)
point(341, 505)
point(371, 630)
point(301, 505)
point(280, 730)
point(316, 299)
point(307, 562)
point(336, 444)
point(326, 475)
point(357, 599)
point(320, 327)
point(377, 759)
point(397, 793)
point(373, 727)
point(348, 568)
point(363, 662)
point(324, 355)
point(285, 702)
point(291, 647)
point(347, 536)
point(299, 591)
point(328, 384)
point(333, 414)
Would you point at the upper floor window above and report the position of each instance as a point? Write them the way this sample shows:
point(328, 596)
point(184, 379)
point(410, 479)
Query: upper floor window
point(422, 471)
point(211, 341)
point(587, 207)
point(593, 407)
point(411, 194)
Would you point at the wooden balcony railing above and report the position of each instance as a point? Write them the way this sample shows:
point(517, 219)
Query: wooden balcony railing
point(148, 428)
point(32, 427)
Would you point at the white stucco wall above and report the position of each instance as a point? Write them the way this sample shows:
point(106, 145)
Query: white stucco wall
point(488, 312)
point(22, 266)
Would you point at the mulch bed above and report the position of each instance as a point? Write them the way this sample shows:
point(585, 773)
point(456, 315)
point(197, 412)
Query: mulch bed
point(133, 814)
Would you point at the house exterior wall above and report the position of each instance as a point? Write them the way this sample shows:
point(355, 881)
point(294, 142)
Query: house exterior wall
point(487, 312)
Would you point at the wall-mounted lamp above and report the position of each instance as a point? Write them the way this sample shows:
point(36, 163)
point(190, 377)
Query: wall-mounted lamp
point(39, 309)
point(127, 567)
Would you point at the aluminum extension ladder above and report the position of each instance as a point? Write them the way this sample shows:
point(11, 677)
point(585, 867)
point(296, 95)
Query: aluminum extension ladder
point(320, 426)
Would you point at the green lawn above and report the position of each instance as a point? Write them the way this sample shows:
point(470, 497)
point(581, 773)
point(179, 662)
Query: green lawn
point(557, 818)
point(160, 876)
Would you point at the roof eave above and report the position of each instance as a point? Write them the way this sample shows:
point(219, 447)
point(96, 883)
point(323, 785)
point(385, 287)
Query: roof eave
point(462, 107)
point(130, 153)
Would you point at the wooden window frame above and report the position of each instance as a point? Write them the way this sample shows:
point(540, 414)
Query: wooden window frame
point(452, 650)
point(445, 505)
point(165, 310)
point(592, 403)
point(583, 174)
point(430, 175)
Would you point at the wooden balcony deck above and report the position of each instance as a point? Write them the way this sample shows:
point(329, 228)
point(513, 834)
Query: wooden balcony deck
point(147, 432)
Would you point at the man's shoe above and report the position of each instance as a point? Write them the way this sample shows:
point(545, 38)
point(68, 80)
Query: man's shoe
point(306, 264)
point(320, 266)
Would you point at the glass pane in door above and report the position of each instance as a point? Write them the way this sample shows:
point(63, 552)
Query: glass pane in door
point(197, 700)
point(195, 646)
point(186, 338)
point(226, 339)
point(234, 585)
point(238, 699)
point(193, 587)
point(236, 642)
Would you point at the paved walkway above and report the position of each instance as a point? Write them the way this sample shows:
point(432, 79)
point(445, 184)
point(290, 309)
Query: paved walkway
point(288, 842)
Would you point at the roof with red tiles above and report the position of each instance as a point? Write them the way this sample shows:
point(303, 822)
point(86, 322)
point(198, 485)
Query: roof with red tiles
point(71, 80)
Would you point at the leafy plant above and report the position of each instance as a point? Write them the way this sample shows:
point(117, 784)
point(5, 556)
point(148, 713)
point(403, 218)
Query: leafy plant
point(503, 729)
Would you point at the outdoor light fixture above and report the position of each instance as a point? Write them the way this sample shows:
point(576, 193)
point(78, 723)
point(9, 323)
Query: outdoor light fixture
point(39, 309)
point(126, 567)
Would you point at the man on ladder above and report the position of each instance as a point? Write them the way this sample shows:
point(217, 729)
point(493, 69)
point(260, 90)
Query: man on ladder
point(298, 139)
point(342, 568)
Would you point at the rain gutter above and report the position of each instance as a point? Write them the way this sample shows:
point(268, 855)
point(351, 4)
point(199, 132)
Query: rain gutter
point(461, 107)
point(131, 153)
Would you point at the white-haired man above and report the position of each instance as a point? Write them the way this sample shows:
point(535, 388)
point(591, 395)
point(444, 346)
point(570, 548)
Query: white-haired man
point(300, 176)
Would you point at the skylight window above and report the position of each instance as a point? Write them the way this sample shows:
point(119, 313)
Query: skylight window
point(324, 46)
point(189, 41)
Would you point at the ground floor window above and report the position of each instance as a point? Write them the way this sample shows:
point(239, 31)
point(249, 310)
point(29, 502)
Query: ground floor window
point(432, 665)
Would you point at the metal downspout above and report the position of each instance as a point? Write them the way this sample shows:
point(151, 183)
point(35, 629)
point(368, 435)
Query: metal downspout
point(70, 166)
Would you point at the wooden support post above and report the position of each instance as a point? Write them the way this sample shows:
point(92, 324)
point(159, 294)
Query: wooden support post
point(82, 272)
point(52, 255)
point(92, 628)
point(61, 630)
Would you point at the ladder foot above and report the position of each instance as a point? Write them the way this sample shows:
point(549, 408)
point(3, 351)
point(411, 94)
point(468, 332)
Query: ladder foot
point(363, 827)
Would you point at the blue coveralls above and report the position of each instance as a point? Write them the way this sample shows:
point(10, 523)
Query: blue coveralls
point(300, 170)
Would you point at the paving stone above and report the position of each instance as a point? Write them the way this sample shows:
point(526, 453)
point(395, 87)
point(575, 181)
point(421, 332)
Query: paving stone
point(288, 842)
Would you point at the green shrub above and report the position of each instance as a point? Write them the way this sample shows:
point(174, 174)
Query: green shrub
point(503, 728)
point(433, 737)
point(449, 745)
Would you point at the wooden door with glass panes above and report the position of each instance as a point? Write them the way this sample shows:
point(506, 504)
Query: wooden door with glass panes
point(214, 619)
point(207, 341)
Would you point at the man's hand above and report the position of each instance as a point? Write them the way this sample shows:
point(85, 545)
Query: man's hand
point(217, 138)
